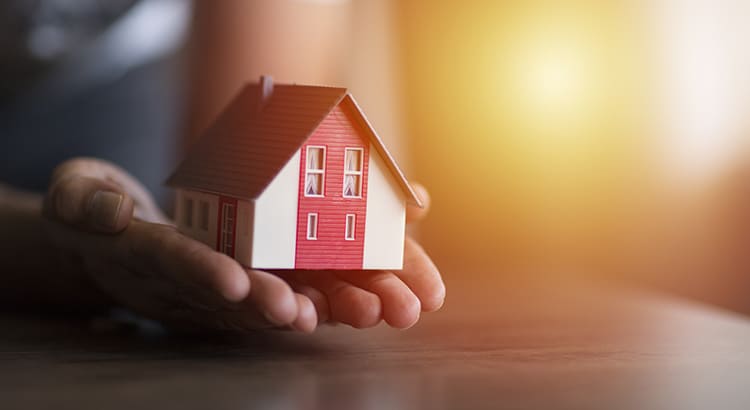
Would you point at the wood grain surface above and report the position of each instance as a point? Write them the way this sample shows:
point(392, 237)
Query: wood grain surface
point(519, 346)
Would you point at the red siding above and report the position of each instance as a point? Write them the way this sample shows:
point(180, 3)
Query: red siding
point(331, 251)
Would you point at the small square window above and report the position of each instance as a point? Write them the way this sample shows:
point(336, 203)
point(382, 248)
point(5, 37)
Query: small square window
point(352, 186)
point(315, 158)
point(312, 226)
point(203, 216)
point(350, 226)
point(314, 184)
point(353, 160)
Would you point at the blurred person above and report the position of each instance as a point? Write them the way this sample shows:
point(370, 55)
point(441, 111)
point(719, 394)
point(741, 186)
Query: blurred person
point(101, 82)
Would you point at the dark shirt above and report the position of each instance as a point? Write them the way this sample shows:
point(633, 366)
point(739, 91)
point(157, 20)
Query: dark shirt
point(51, 113)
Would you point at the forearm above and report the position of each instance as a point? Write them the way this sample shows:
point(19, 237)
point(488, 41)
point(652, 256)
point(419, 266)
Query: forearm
point(34, 274)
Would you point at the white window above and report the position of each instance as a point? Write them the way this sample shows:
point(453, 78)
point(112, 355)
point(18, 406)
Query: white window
point(203, 215)
point(350, 225)
point(353, 172)
point(315, 164)
point(187, 212)
point(312, 226)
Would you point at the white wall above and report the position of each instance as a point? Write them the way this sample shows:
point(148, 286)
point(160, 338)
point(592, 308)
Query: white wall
point(386, 218)
point(207, 236)
point(244, 233)
point(275, 220)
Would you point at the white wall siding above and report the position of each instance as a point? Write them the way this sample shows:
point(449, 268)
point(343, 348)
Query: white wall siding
point(386, 218)
point(275, 220)
point(207, 236)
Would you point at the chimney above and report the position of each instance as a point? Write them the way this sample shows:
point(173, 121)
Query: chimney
point(266, 89)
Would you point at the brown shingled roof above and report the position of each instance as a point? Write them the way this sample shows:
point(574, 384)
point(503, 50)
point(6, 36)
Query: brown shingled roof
point(241, 153)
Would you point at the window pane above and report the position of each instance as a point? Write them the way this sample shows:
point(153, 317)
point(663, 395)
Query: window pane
point(350, 227)
point(352, 185)
point(315, 158)
point(312, 226)
point(354, 160)
point(314, 184)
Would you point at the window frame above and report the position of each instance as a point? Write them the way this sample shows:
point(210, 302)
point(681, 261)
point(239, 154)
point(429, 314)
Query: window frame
point(358, 173)
point(321, 172)
point(229, 215)
point(312, 216)
point(352, 225)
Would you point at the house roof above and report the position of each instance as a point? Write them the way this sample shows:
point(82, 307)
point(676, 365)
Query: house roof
point(252, 140)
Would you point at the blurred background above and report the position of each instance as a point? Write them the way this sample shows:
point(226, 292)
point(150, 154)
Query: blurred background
point(558, 138)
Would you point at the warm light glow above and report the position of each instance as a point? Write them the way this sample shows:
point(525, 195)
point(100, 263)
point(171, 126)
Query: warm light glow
point(552, 78)
point(551, 75)
point(524, 125)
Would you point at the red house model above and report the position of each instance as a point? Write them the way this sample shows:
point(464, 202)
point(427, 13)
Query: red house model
point(294, 177)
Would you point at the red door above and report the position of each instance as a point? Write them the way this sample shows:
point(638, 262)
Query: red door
point(227, 222)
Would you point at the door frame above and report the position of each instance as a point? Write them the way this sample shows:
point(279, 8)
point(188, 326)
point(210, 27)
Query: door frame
point(227, 220)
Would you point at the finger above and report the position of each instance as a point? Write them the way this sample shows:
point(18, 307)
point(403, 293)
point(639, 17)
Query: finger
point(319, 300)
point(245, 316)
point(89, 203)
point(400, 305)
point(273, 297)
point(422, 276)
point(184, 307)
point(415, 213)
point(167, 252)
point(307, 318)
point(159, 250)
point(347, 303)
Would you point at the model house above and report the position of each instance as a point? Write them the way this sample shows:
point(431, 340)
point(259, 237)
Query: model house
point(294, 177)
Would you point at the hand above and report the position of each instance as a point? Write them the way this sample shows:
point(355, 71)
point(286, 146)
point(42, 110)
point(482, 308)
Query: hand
point(153, 269)
point(143, 263)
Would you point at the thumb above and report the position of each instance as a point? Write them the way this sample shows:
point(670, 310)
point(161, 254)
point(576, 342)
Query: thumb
point(414, 213)
point(89, 203)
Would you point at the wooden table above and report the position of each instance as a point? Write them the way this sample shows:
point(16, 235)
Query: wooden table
point(508, 345)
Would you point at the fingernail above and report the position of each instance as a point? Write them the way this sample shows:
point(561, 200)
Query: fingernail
point(105, 208)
